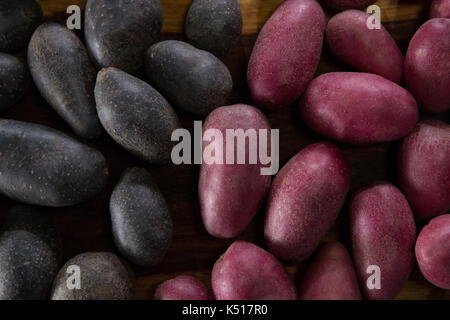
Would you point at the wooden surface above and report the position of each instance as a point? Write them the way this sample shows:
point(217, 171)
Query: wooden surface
point(87, 227)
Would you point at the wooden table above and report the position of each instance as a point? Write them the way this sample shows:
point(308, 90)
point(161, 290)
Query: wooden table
point(87, 227)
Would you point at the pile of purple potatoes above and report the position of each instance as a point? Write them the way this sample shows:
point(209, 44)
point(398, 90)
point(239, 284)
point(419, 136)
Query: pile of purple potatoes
point(93, 87)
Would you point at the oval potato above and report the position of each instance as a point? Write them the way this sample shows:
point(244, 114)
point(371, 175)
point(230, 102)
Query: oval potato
point(358, 108)
point(383, 233)
point(304, 201)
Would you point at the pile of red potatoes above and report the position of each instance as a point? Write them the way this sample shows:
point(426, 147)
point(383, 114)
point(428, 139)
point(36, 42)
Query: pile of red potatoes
point(303, 200)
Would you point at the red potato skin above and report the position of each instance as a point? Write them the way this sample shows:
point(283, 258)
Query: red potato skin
point(231, 194)
point(383, 233)
point(247, 272)
point(182, 288)
point(371, 51)
point(358, 108)
point(330, 276)
point(304, 201)
point(440, 9)
point(340, 5)
point(427, 66)
point(286, 53)
point(424, 169)
point(433, 251)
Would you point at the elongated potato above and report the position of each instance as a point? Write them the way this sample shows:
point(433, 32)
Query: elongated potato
point(330, 276)
point(424, 169)
point(433, 251)
point(286, 53)
point(372, 51)
point(182, 288)
point(135, 115)
point(427, 67)
point(339, 5)
point(247, 272)
point(62, 71)
point(383, 234)
point(45, 167)
point(440, 9)
point(141, 222)
point(304, 201)
point(358, 108)
point(231, 194)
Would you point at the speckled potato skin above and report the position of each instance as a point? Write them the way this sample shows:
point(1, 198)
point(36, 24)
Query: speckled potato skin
point(247, 272)
point(104, 276)
point(440, 9)
point(135, 115)
point(286, 53)
point(62, 72)
point(358, 108)
point(182, 288)
point(14, 81)
point(191, 79)
point(141, 222)
point(383, 233)
point(340, 5)
point(27, 266)
point(231, 194)
point(32, 220)
point(214, 25)
point(433, 251)
point(427, 66)
point(423, 169)
point(371, 51)
point(304, 201)
point(117, 32)
point(18, 19)
point(42, 166)
point(330, 276)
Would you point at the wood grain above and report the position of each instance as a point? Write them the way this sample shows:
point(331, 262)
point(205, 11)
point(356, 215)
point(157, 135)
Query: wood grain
point(87, 227)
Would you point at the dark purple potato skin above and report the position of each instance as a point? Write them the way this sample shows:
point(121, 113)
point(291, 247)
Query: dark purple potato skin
point(61, 70)
point(18, 19)
point(104, 276)
point(141, 222)
point(42, 166)
point(191, 79)
point(135, 115)
point(14, 81)
point(32, 220)
point(214, 26)
point(118, 32)
point(27, 266)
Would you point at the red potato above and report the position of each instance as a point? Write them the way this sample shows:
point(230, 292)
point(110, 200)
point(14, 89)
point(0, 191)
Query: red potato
point(427, 66)
point(339, 5)
point(424, 169)
point(358, 108)
point(231, 194)
point(433, 251)
point(372, 51)
point(383, 234)
point(440, 9)
point(330, 276)
point(304, 201)
point(182, 288)
point(286, 53)
point(247, 272)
